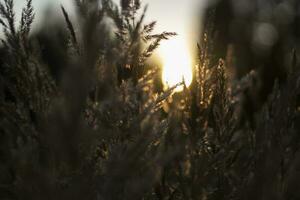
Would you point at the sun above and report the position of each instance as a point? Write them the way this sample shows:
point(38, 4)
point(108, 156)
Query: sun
point(177, 65)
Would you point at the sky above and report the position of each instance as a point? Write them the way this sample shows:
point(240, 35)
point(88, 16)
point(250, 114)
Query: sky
point(172, 15)
point(180, 16)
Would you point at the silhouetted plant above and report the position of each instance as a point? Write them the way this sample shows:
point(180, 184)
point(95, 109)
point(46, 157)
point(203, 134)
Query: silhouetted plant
point(102, 131)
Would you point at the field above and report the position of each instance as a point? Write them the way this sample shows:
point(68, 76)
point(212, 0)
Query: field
point(86, 112)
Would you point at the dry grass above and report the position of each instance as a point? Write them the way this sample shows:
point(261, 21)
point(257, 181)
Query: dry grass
point(100, 130)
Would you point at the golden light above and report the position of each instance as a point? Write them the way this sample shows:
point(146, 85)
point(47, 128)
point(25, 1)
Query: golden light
point(177, 65)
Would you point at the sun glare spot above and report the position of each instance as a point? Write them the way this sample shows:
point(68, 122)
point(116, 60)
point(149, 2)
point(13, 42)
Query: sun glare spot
point(177, 65)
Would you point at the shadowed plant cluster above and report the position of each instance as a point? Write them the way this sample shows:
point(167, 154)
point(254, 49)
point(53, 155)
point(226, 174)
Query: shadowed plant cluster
point(83, 114)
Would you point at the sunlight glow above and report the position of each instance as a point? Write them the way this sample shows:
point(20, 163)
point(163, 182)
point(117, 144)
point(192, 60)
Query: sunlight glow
point(177, 65)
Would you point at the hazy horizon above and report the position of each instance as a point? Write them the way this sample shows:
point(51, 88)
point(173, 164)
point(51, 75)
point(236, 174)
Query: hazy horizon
point(179, 16)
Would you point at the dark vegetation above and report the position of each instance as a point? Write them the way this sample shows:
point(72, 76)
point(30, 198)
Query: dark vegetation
point(83, 116)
